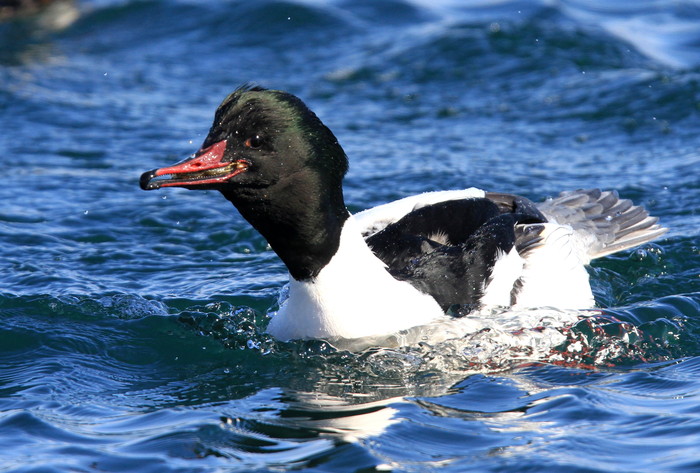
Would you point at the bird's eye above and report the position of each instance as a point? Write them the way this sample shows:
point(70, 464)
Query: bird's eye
point(253, 142)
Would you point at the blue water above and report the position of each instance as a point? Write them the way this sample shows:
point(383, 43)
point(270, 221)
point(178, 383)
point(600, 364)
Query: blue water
point(132, 323)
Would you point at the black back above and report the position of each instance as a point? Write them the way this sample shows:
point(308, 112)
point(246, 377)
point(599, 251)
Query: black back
point(448, 249)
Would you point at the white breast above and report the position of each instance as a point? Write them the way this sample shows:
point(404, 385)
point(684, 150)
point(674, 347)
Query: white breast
point(353, 296)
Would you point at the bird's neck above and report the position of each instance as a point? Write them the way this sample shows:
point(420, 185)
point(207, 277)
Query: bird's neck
point(303, 228)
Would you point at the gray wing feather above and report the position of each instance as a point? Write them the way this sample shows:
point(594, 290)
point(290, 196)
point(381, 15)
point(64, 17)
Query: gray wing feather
point(613, 224)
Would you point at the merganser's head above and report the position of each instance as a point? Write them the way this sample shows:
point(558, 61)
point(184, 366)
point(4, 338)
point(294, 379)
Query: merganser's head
point(258, 138)
point(279, 165)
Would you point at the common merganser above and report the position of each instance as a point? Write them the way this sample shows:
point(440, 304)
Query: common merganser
point(402, 264)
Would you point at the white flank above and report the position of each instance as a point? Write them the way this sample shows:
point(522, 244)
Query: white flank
point(554, 274)
point(507, 269)
point(353, 296)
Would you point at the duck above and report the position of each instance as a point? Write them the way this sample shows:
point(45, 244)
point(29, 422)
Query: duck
point(403, 264)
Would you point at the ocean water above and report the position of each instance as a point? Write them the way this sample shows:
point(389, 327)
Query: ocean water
point(132, 323)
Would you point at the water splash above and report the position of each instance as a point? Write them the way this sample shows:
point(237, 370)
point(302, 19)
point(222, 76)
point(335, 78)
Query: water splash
point(485, 341)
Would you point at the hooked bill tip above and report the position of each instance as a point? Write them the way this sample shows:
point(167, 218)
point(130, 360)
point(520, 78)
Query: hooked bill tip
point(146, 180)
